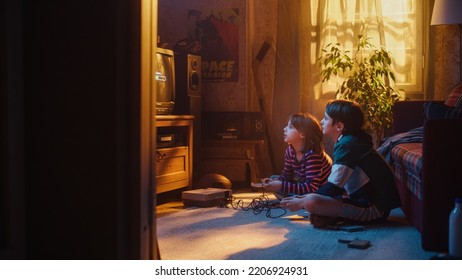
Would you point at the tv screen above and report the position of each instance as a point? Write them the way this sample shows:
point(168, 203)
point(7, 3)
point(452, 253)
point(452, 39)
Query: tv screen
point(165, 81)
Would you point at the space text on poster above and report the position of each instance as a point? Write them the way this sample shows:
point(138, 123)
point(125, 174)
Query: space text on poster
point(218, 33)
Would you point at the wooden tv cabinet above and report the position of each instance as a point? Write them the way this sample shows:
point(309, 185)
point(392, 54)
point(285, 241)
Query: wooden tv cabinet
point(174, 152)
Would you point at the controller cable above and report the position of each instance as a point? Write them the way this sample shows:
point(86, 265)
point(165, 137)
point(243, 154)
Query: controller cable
point(258, 205)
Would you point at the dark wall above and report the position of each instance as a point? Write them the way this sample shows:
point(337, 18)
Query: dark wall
point(12, 198)
point(76, 103)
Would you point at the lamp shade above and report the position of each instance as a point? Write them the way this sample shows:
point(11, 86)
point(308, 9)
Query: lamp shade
point(447, 12)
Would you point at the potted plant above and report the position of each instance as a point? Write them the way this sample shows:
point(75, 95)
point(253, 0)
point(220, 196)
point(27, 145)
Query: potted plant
point(367, 80)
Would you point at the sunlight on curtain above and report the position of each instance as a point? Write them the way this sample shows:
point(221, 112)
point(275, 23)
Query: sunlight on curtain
point(393, 24)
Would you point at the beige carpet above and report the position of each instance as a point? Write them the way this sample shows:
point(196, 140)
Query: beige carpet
point(225, 233)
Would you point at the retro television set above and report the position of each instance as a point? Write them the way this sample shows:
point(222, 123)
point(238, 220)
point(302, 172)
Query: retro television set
point(165, 81)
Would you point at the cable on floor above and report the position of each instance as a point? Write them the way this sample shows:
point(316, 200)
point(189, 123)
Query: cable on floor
point(258, 205)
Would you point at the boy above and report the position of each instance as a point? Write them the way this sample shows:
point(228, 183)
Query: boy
point(361, 186)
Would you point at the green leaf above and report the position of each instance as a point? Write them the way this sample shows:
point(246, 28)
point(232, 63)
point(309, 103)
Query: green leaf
point(367, 82)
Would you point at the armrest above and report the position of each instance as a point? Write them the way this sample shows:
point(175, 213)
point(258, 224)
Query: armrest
point(441, 176)
point(407, 115)
point(442, 154)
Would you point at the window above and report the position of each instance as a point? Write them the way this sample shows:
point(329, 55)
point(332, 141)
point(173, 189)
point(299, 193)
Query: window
point(394, 24)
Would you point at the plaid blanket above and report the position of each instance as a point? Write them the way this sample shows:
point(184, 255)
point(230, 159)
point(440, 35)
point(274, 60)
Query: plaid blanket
point(403, 152)
point(412, 136)
point(407, 166)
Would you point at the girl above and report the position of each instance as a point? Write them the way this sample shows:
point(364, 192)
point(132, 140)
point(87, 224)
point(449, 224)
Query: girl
point(306, 164)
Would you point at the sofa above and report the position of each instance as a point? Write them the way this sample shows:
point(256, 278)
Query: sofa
point(425, 153)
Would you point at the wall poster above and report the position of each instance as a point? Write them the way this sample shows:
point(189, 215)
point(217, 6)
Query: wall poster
point(218, 32)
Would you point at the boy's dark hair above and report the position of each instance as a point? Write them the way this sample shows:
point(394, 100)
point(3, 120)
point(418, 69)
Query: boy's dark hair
point(348, 112)
point(310, 126)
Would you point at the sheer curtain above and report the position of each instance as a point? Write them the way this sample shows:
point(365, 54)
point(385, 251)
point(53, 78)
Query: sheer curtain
point(394, 24)
point(304, 27)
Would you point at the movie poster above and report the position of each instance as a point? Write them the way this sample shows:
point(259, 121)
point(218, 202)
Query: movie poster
point(218, 33)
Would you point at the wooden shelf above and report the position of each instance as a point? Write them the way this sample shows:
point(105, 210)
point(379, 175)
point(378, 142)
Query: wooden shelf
point(235, 159)
point(174, 163)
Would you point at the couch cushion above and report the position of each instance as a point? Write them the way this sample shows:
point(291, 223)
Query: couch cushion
point(407, 165)
point(434, 110)
point(454, 98)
